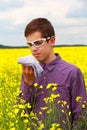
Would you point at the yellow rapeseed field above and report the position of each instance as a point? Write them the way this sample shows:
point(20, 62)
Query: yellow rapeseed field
point(10, 76)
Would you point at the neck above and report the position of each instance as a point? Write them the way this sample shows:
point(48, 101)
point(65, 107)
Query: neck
point(50, 58)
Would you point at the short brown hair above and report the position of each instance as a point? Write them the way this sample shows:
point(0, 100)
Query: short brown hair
point(42, 25)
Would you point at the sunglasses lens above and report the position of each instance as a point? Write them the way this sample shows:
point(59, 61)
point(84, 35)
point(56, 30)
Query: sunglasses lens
point(38, 43)
point(29, 44)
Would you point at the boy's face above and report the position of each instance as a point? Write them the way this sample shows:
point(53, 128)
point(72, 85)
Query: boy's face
point(43, 52)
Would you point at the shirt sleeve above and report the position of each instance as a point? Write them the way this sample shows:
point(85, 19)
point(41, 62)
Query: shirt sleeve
point(78, 89)
point(27, 91)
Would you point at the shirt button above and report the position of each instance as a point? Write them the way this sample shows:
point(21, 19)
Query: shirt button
point(44, 77)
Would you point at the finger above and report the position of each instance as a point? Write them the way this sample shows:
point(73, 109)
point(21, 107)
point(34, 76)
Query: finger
point(30, 69)
point(23, 68)
point(27, 70)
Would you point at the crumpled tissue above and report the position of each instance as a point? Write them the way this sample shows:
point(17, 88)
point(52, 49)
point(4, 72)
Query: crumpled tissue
point(31, 61)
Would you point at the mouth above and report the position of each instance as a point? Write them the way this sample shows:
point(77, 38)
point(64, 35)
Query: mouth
point(36, 55)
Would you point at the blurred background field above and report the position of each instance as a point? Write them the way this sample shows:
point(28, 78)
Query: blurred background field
point(10, 76)
point(76, 55)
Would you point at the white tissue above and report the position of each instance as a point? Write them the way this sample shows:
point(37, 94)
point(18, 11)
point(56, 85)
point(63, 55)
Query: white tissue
point(31, 61)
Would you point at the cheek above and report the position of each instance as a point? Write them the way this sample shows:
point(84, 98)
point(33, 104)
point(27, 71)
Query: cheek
point(46, 48)
point(45, 53)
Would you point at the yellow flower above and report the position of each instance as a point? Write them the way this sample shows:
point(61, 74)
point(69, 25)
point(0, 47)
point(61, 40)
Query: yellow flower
point(59, 102)
point(62, 111)
point(28, 129)
point(35, 84)
point(64, 103)
point(12, 128)
point(32, 114)
point(54, 88)
point(21, 106)
point(83, 106)
point(44, 108)
point(49, 111)
point(41, 125)
point(58, 129)
point(16, 110)
point(40, 113)
point(11, 115)
point(23, 114)
point(25, 121)
point(11, 124)
point(46, 99)
point(64, 122)
point(78, 99)
point(28, 105)
point(54, 126)
point(69, 113)
point(41, 87)
point(53, 96)
point(49, 86)
point(68, 106)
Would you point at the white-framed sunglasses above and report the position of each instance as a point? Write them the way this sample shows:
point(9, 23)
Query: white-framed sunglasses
point(38, 43)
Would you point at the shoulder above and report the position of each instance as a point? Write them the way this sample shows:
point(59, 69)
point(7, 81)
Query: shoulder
point(66, 65)
point(67, 68)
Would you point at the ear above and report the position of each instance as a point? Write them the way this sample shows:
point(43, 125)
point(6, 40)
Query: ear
point(52, 41)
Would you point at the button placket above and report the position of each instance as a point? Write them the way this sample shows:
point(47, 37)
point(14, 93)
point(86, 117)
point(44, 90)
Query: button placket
point(45, 74)
point(44, 77)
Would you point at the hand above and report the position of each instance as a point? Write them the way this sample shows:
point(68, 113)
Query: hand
point(28, 73)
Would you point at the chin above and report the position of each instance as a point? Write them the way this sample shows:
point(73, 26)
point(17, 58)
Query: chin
point(40, 60)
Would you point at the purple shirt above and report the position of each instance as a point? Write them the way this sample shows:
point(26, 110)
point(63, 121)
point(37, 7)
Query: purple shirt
point(70, 85)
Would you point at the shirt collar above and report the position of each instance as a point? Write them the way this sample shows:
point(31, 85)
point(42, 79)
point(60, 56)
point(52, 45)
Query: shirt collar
point(50, 66)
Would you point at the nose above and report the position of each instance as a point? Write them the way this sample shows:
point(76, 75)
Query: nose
point(33, 48)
